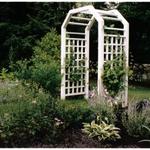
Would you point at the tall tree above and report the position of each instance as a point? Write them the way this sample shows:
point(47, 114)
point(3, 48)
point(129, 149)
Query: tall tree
point(22, 24)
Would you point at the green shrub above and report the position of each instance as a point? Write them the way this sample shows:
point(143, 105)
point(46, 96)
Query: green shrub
point(44, 66)
point(21, 69)
point(134, 122)
point(101, 131)
point(27, 117)
point(50, 43)
point(46, 72)
point(74, 112)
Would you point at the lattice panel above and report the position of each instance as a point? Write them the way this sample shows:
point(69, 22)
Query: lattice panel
point(75, 49)
point(113, 46)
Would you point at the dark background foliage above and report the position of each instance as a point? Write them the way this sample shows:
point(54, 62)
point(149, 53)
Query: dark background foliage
point(22, 24)
point(138, 15)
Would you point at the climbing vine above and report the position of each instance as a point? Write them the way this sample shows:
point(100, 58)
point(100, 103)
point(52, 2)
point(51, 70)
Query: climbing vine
point(75, 71)
point(113, 75)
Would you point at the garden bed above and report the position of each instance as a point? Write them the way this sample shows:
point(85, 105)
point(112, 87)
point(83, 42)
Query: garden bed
point(73, 113)
point(76, 139)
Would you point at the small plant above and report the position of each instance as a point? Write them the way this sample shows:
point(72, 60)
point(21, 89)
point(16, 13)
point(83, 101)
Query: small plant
point(5, 75)
point(113, 75)
point(105, 110)
point(101, 130)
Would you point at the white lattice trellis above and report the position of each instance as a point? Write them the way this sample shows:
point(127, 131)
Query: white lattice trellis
point(113, 40)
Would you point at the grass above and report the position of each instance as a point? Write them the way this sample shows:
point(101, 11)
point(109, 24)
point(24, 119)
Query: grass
point(72, 103)
point(16, 97)
point(138, 93)
point(11, 107)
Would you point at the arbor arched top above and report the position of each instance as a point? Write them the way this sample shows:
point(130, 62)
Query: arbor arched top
point(96, 14)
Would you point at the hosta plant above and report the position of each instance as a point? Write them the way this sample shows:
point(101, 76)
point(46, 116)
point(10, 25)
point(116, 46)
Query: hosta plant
point(101, 130)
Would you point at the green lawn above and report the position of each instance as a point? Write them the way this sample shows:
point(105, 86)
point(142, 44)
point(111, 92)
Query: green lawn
point(135, 94)
point(72, 103)
point(138, 93)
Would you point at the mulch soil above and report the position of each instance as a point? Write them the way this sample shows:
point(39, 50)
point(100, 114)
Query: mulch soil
point(76, 139)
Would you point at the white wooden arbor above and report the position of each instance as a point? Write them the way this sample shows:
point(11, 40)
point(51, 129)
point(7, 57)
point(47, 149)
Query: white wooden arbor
point(113, 39)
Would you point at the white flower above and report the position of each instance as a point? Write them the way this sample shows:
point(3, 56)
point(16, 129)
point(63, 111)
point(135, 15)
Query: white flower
point(17, 81)
point(115, 103)
point(58, 122)
point(34, 102)
point(20, 96)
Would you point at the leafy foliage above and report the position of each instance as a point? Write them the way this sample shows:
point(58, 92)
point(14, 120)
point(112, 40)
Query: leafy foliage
point(138, 14)
point(134, 122)
point(22, 24)
point(113, 75)
point(4, 75)
point(26, 114)
point(101, 130)
point(74, 113)
point(21, 69)
point(50, 43)
point(44, 66)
